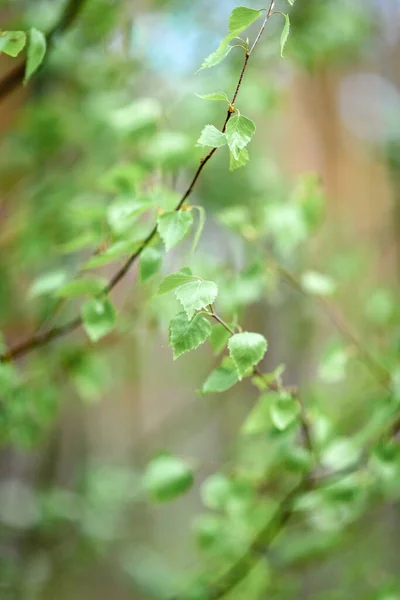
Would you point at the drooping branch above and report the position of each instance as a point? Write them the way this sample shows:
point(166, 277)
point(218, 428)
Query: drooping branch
point(40, 339)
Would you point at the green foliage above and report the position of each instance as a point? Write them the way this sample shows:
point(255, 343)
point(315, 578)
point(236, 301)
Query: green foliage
point(174, 226)
point(222, 378)
point(211, 136)
point(196, 295)
point(99, 318)
point(89, 286)
point(150, 263)
point(285, 33)
point(239, 131)
point(284, 410)
point(185, 334)
point(36, 52)
point(167, 477)
point(240, 19)
point(12, 42)
point(246, 350)
point(96, 176)
point(219, 96)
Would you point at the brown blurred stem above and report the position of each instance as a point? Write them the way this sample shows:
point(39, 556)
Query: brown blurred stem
point(40, 339)
point(15, 77)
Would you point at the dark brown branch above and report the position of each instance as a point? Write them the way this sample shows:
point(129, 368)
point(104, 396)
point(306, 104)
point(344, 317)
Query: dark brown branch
point(38, 340)
point(15, 77)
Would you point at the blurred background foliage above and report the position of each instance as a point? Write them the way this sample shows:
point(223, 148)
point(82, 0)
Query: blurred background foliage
point(101, 140)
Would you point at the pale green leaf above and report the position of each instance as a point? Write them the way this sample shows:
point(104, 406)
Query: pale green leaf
point(200, 226)
point(173, 281)
point(259, 419)
point(12, 42)
point(219, 338)
point(36, 52)
point(284, 411)
point(115, 251)
point(218, 56)
point(99, 317)
point(214, 96)
point(291, 2)
point(150, 263)
point(89, 286)
point(196, 295)
point(47, 283)
point(211, 136)
point(239, 131)
point(173, 226)
point(240, 161)
point(285, 33)
point(222, 378)
point(185, 335)
point(318, 284)
point(216, 491)
point(167, 477)
point(241, 18)
point(246, 350)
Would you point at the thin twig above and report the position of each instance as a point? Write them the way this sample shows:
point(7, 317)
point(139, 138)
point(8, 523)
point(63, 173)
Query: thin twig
point(38, 339)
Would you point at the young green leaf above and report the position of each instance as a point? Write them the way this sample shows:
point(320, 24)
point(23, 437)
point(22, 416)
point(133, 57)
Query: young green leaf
point(89, 286)
point(171, 282)
point(185, 335)
point(318, 284)
point(218, 56)
point(99, 317)
point(173, 226)
point(219, 338)
point(246, 350)
point(240, 161)
point(36, 52)
point(200, 226)
point(241, 18)
point(291, 2)
point(167, 477)
point(214, 96)
point(222, 378)
point(150, 263)
point(259, 419)
point(285, 33)
point(284, 411)
point(239, 131)
point(12, 42)
point(196, 295)
point(211, 136)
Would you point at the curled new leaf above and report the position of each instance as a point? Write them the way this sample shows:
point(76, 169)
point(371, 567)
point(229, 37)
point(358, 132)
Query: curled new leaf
point(285, 33)
point(36, 52)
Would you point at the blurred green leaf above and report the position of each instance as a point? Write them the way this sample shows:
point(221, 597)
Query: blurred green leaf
point(36, 52)
point(167, 477)
point(174, 226)
point(99, 318)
